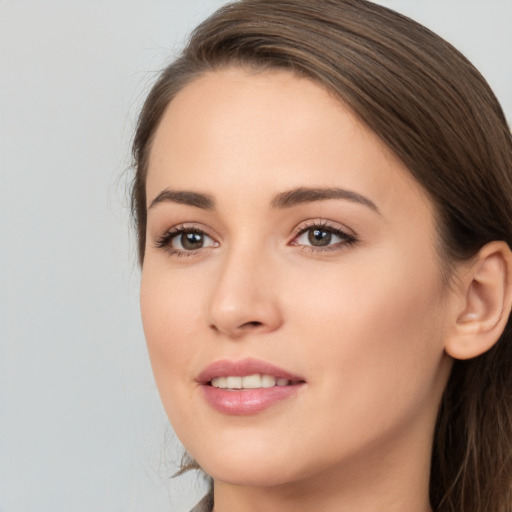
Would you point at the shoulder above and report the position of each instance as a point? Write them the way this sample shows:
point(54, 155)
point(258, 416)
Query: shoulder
point(205, 505)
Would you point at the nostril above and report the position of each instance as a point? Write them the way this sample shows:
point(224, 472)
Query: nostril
point(238, 330)
point(252, 324)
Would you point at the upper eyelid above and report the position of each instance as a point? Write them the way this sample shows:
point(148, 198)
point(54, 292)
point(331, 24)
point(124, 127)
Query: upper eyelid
point(191, 226)
point(322, 223)
point(165, 236)
point(297, 230)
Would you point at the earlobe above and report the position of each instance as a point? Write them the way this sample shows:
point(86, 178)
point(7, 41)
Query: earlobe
point(486, 293)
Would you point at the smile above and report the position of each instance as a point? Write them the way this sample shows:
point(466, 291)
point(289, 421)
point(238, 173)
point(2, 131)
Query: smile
point(246, 387)
point(254, 381)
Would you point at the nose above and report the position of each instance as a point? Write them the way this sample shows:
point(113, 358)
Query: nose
point(245, 299)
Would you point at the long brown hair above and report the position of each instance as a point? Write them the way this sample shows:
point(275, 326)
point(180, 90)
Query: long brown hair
point(436, 112)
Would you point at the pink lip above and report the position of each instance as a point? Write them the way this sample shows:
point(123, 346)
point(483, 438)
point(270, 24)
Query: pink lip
point(246, 401)
point(241, 368)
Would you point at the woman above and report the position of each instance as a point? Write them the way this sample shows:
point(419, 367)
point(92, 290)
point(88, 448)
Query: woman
point(322, 198)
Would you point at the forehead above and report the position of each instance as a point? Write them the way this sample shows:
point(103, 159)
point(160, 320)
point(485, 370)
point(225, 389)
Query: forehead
point(265, 131)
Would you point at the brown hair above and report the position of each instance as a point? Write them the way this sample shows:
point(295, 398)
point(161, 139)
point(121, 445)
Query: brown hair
point(437, 113)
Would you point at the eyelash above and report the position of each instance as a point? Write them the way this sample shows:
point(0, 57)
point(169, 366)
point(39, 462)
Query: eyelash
point(165, 241)
point(346, 239)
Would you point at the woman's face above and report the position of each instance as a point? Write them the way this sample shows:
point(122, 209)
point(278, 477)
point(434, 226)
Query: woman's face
point(286, 244)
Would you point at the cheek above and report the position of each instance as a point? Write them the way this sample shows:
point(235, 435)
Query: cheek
point(384, 296)
point(170, 316)
point(375, 338)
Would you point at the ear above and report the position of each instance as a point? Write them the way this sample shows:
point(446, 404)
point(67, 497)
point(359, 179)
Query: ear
point(483, 304)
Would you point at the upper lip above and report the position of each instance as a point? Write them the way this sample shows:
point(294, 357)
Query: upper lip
point(243, 367)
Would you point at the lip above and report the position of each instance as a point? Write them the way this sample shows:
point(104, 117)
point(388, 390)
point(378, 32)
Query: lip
point(242, 368)
point(246, 401)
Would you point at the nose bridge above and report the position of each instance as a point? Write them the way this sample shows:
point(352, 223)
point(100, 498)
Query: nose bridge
point(243, 299)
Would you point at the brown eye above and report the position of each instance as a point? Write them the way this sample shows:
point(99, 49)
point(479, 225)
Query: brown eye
point(189, 241)
point(322, 237)
point(319, 237)
point(184, 240)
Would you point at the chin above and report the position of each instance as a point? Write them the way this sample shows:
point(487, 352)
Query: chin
point(242, 468)
point(265, 475)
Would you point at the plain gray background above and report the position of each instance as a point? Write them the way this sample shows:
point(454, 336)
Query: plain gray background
point(81, 425)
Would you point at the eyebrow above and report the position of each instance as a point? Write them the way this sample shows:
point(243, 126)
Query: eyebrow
point(286, 199)
point(203, 201)
point(308, 195)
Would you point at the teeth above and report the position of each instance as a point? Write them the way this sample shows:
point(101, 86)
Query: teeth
point(255, 381)
point(220, 382)
point(234, 382)
point(267, 381)
point(251, 382)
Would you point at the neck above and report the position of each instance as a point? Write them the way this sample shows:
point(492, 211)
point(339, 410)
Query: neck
point(394, 479)
point(306, 498)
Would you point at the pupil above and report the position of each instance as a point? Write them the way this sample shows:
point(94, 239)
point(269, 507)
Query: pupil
point(192, 241)
point(319, 237)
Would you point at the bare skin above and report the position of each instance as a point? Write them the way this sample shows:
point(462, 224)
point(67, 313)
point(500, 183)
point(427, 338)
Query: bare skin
point(343, 289)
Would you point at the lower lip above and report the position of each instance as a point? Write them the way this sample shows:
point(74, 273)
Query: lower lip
point(244, 402)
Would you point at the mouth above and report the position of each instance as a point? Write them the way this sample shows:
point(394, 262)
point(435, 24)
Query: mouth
point(246, 373)
point(246, 387)
point(254, 381)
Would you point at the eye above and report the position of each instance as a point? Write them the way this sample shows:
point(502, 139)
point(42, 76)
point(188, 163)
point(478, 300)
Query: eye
point(320, 237)
point(191, 241)
point(183, 240)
